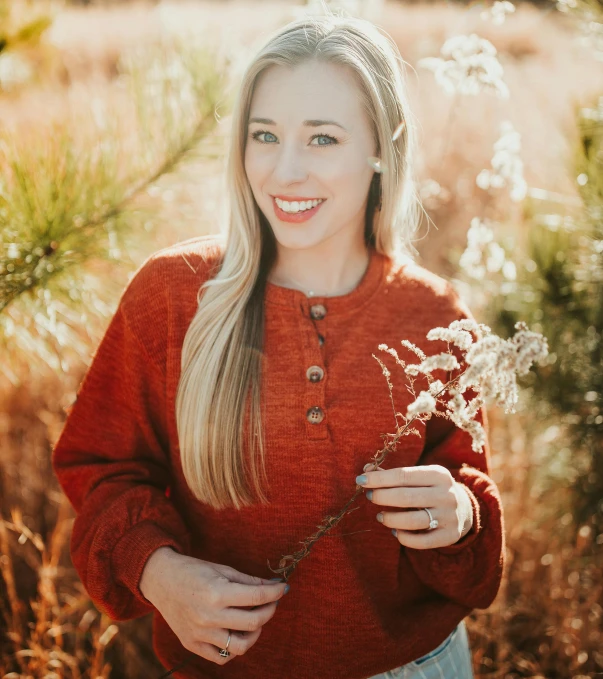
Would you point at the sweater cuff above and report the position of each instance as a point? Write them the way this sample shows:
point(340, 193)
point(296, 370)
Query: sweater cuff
point(132, 551)
point(474, 531)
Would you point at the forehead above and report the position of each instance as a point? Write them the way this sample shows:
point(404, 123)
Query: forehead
point(310, 90)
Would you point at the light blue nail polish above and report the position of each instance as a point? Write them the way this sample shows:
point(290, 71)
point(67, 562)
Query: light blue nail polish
point(361, 480)
point(369, 494)
point(394, 532)
point(287, 588)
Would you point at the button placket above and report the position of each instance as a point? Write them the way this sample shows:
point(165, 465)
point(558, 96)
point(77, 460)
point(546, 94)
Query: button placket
point(318, 313)
point(315, 372)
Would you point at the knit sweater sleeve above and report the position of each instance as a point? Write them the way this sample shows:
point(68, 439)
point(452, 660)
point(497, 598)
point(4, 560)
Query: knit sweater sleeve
point(112, 458)
point(470, 570)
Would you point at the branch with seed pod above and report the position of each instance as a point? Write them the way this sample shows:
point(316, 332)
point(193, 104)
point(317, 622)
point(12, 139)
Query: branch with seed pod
point(492, 366)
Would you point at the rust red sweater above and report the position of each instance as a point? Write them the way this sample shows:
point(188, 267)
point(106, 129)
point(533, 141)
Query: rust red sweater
point(360, 603)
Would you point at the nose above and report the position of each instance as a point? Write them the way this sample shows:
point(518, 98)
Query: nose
point(289, 167)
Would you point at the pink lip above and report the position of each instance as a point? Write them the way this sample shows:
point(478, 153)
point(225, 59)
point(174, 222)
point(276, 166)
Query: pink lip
point(298, 217)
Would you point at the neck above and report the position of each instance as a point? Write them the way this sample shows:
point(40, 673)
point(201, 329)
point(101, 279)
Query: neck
point(320, 274)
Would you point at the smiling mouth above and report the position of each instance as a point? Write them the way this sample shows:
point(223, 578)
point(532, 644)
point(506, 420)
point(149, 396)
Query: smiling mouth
point(297, 215)
point(294, 207)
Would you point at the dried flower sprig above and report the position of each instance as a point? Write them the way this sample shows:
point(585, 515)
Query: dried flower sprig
point(492, 366)
point(470, 66)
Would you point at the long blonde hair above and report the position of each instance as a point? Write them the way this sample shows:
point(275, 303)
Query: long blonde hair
point(222, 349)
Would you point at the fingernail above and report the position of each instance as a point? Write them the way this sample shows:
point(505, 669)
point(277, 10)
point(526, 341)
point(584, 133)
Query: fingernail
point(361, 480)
point(394, 532)
point(380, 517)
point(287, 588)
point(369, 494)
point(278, 601)
point(277, 579)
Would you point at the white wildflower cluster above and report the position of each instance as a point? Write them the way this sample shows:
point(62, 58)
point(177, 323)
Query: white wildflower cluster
point(437, 362)
point(492, 364)
point(425, 403)
point(497, 13)
point(507, 166)
point(483, 254)
point(469, 66)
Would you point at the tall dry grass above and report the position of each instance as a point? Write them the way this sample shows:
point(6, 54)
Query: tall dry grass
point(546, 620)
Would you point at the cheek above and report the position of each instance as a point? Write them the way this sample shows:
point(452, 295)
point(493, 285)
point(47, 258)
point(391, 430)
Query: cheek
point(350, 181)
point(252, 160)
point(350, 169)
point(258, 168)
point(249, 165)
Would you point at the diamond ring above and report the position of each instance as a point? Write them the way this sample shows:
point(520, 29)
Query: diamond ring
point(433, 523)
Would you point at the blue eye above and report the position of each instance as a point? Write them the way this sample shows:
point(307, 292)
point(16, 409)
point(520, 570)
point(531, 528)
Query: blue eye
point(256, 135)
point(325, 136)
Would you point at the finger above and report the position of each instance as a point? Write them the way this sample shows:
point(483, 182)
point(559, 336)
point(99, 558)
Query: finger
point(428, 540)
point(245, 620)
point(236, 594)
point(407, 520)
point(240, 642)
point(425, 496)
point(425, 475)
point(210, 652)
point(371, 466)
point(242, 578)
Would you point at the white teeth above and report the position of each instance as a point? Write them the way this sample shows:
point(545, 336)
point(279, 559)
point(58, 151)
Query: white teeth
point(296, 206)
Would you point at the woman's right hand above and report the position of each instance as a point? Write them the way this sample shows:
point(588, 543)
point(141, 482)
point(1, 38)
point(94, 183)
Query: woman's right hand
point(201, 601)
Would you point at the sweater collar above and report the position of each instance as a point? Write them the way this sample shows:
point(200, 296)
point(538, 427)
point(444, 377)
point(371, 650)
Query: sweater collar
point(366, 288)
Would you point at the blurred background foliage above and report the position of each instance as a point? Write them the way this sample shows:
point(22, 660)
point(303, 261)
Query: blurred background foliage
point(113, 131)
point(560, 293)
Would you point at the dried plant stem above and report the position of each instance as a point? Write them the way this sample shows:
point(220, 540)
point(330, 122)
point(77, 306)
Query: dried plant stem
point(48, 599)
point(330, 522)
point(43, 644)
point(15, 624)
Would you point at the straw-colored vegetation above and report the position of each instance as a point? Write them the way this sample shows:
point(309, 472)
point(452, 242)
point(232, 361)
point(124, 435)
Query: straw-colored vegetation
point(79, 110)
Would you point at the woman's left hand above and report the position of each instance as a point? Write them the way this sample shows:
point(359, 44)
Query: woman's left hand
point(411, 489)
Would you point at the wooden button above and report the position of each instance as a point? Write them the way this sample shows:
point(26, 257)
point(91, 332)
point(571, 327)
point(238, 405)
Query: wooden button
point(315, 415)
point(315, 373)
point(318, 311)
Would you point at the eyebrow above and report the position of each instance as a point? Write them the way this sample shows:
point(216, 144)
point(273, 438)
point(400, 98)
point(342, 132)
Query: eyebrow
point(306, 123)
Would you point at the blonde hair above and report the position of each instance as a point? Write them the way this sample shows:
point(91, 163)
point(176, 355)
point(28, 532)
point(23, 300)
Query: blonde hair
point(222, 349)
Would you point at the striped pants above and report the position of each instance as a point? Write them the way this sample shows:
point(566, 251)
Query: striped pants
point(450, 660)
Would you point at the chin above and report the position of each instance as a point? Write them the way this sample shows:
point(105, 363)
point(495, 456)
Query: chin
point(296, 241)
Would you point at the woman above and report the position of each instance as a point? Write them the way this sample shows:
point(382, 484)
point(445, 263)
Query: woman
point(234, 401)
